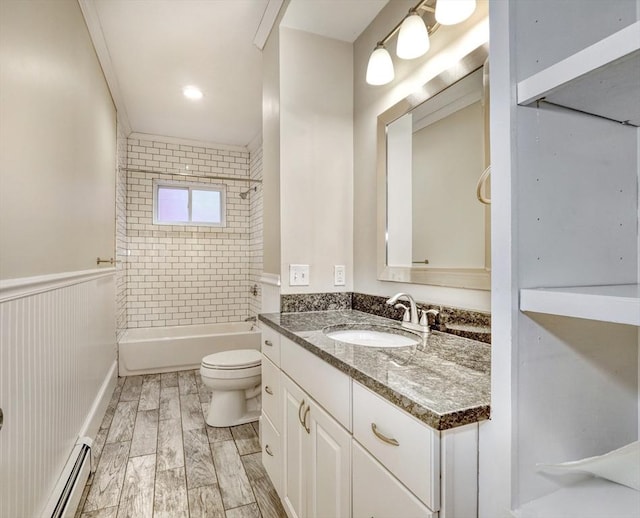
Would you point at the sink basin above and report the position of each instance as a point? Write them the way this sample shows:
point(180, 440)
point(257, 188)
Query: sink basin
point(372, 336)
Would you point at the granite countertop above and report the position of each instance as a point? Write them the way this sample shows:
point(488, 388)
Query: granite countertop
point(443, 381)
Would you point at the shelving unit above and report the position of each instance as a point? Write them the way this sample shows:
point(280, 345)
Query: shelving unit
point(618, 303)
point(572, 163)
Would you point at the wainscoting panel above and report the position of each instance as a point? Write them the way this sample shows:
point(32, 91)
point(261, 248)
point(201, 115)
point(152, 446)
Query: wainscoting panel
point(57, 347)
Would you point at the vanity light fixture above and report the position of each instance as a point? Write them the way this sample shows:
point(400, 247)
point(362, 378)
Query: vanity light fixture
point(192, 93)
point(413, 35)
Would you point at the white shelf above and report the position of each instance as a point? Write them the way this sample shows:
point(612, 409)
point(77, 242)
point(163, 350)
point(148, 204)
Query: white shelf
point(603, 79)
point(593, 498)
point(617, 303)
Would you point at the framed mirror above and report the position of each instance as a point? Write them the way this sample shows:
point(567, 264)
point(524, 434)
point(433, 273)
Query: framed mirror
point(433, 147)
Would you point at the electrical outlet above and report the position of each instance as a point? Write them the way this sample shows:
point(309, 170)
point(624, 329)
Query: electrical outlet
point(339, 275)
point(298, 275)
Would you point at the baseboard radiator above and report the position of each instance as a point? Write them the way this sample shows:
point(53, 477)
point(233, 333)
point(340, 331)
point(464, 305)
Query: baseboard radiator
point(68, 491)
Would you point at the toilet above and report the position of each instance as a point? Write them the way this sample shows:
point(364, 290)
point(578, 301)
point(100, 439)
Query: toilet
point(234, 379)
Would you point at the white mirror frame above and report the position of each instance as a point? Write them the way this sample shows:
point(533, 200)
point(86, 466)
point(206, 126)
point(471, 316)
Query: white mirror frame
point(470, 278)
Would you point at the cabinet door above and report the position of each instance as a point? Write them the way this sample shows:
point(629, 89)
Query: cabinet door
point(377, 493)
point(328, 465)
point(294, 443)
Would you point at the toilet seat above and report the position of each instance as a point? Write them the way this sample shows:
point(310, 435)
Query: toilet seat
point(233, 360)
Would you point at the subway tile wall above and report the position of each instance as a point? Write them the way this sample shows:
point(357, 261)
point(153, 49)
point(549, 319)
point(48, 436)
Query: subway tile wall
point(255, 232)
point(182, 274)
point(121, 231)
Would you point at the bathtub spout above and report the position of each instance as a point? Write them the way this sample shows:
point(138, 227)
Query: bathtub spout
point(250, 319)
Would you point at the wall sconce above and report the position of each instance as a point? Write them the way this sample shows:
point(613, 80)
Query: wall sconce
point(413, 35)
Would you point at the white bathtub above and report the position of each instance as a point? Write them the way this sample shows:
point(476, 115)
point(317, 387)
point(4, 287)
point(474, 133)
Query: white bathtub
point(165, 349)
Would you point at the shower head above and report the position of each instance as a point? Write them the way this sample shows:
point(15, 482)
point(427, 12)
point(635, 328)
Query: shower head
point(244, 194)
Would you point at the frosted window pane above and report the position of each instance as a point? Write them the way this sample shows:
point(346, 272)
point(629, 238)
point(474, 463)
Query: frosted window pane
point(205, 206)
point(173, 204)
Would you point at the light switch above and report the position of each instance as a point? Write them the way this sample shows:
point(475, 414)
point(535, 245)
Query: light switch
point(339, 275)
point(298, 275)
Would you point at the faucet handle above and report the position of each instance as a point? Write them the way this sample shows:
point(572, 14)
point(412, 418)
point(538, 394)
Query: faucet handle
point(424, 319)
point(407, 316)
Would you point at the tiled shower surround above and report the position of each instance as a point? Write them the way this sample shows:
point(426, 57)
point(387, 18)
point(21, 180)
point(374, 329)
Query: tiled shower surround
point(121, 232)
point(181, 274)
point(255, 232)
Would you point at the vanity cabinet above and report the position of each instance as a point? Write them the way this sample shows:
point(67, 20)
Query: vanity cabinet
point(342, 450)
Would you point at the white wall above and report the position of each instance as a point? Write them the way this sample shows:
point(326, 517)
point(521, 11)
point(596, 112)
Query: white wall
point(448, 44)
point(57, 214)
point(316, 158)
point(57, 143)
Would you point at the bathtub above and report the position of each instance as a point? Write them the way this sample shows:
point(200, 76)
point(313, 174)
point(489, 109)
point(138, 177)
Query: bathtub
point(165, 349)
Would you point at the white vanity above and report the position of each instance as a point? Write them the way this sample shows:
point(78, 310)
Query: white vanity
point(334, 447)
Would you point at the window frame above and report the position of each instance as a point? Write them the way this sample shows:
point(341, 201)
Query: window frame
point(190, 187)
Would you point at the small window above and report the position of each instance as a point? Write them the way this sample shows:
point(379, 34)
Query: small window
point(189, 204)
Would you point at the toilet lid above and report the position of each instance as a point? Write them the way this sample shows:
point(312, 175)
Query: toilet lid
point(235, 359)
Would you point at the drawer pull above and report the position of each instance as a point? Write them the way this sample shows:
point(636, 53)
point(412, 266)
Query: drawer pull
point(304, 420)
point(269, 343)
point(268, 450)
point(268, 390)
point(299, 413)
point(382, 437)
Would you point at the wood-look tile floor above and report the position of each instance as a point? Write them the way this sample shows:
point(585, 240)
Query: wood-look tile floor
point(155, 456)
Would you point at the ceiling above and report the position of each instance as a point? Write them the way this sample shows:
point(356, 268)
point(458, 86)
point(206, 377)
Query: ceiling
point(150, 50)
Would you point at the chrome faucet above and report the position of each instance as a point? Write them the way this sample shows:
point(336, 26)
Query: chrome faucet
point(420, 324)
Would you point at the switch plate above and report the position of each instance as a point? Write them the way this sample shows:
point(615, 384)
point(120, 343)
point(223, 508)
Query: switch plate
point(339, 275)
point(298, 275)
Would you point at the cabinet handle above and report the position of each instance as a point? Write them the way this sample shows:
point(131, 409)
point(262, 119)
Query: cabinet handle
point(268, 342)
point(299, 412)
point(268, 390)
point(268, 450)
point(382, 437)
point(304, 419)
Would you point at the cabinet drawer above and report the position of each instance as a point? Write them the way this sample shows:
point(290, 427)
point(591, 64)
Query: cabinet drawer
point(270, 344)
point(414, 456)
point(271, 452)
point(324, 383)
point(378, 493)
point(271, 393)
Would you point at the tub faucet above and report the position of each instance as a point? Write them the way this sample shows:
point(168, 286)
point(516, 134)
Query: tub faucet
point(414, 323)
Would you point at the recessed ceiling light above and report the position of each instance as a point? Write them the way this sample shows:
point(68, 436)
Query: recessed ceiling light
point(192, 92)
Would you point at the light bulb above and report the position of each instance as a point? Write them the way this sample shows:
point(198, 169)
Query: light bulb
point(450, 12)
point(380, 67)
point(413, 38)
point(192, 92)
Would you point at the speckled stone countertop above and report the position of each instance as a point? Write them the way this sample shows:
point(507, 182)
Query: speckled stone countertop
point(443, 381)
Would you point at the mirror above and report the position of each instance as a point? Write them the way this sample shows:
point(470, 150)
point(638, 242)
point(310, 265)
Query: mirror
point(432, 149)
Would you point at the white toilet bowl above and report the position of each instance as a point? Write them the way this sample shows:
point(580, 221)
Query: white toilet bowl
point(234, 378)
